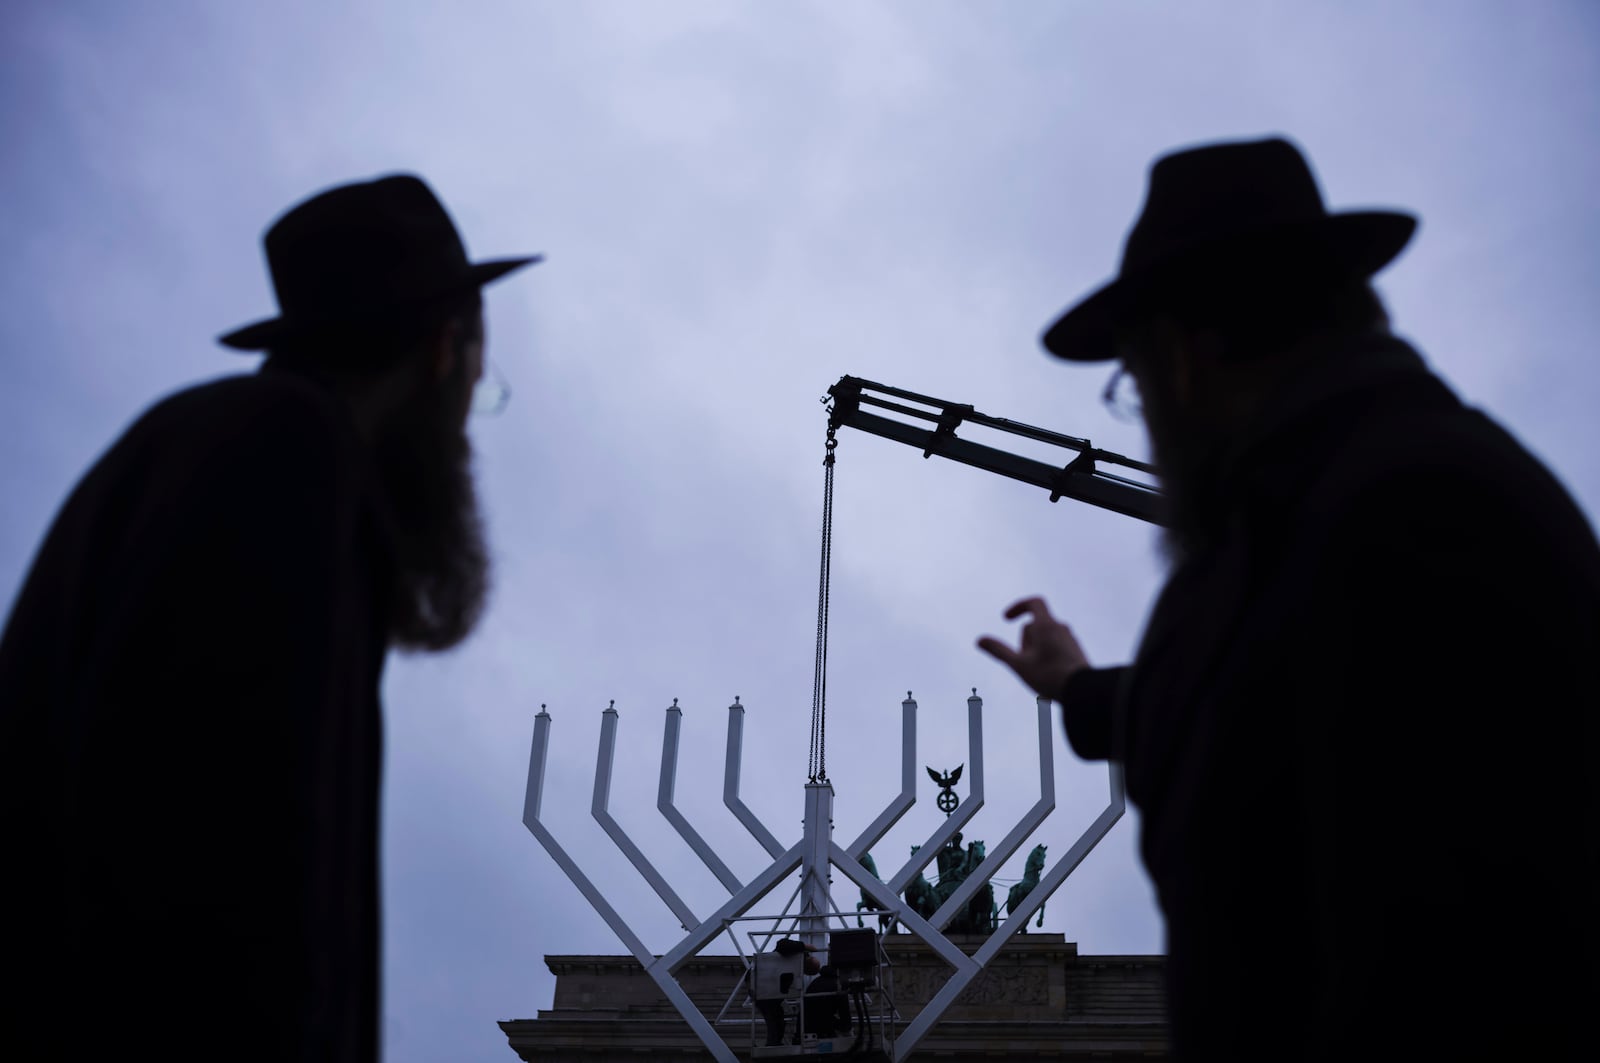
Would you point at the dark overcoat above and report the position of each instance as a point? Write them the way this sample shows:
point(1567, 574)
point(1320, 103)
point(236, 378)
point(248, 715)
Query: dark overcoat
point(190, 734)
point(1361, 733)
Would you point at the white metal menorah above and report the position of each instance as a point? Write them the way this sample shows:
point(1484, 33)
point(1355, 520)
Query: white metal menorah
point(813, 857)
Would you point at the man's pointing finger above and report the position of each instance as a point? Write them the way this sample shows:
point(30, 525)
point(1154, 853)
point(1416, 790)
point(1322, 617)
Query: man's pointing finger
point(1034, 606)
point(1000, 651)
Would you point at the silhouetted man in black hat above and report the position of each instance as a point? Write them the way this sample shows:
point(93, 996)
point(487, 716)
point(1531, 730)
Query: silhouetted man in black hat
point(189, 679)
point(1361, 723)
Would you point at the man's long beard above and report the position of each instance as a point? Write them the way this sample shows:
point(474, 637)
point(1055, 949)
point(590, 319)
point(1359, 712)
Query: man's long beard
point(1190, 457)
point(441, 578)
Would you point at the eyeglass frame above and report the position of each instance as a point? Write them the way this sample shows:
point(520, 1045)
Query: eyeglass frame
point(490, 394)
point(1116, 397)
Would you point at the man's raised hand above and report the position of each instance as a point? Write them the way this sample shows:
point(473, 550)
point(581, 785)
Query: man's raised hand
point(1048, 654)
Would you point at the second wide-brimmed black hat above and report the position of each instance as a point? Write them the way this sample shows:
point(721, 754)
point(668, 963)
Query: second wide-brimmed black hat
point(356, 253)
point(1239, 206)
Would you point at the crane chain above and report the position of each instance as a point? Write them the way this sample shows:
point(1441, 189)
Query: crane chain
point(817, 766)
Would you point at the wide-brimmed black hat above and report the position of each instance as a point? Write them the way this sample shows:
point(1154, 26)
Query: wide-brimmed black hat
point(356, 253)
point(1239, 206)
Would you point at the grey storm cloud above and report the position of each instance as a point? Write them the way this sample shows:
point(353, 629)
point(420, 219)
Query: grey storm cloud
point(739, 203)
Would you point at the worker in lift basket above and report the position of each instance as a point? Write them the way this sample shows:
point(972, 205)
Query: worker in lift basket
point(771, 1008)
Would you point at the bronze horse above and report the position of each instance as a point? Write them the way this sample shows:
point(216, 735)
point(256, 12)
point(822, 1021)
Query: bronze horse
point(1030, 879)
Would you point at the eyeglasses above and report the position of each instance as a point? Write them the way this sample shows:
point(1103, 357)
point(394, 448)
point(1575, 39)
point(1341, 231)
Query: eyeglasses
point(1121, 396)
point(491, 393)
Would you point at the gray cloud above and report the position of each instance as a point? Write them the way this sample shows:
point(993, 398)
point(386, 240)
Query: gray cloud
point(740, 203)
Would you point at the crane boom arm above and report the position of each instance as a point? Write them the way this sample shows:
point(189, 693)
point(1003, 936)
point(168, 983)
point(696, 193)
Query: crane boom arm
point(1082, 478)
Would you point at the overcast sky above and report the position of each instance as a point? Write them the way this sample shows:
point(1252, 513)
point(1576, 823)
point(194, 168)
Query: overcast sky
point(739, 203)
